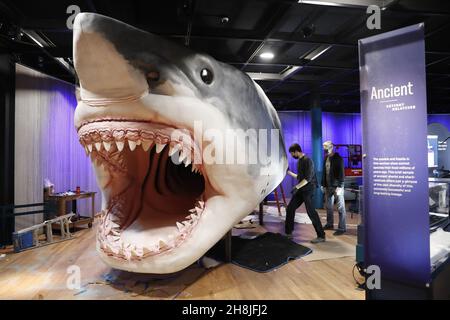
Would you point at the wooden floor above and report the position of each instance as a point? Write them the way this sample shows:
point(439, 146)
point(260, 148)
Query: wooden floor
point(43, 273)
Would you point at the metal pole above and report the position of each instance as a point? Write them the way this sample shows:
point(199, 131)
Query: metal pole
point(316, 138)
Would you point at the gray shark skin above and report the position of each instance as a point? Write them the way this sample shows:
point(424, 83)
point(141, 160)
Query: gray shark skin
point(138, 89)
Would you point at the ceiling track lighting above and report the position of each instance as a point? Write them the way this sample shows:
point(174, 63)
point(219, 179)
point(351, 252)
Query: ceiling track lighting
point(383, 4)
point(267, 55)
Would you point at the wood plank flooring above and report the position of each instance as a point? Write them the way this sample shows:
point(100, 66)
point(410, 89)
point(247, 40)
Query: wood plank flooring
point(43, 273)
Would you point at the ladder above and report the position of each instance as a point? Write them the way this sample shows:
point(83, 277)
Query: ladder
point(28, 238)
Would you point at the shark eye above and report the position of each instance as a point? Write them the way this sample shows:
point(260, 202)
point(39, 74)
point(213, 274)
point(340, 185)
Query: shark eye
point(206, 75)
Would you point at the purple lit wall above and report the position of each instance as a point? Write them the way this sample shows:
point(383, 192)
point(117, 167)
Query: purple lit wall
point(340, 128)
point(46, 142)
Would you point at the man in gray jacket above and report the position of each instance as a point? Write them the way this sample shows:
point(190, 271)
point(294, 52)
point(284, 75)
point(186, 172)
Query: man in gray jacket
point(333, 186)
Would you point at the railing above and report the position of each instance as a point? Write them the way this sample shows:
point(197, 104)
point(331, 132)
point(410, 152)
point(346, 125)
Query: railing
point(8, 216)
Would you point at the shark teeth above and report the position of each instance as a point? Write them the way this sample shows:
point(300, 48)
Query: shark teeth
point(138, 251)
point(132, 144)
point(107, 145)
point(182, 157)
point(180, 226)
point(146, 145)
point(187, 223)
point(187, 162)
point(162, 244)
point(173, 149)
point(159, 147)
point(103, 148)
point(110, 236)
point(120, 145)
point(103, 142)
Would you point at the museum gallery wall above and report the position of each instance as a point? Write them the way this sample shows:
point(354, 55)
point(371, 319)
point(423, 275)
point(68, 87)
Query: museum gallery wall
point(46, 142)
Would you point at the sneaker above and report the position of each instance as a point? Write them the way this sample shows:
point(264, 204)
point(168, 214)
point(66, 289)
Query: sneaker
point(317, 240)
point(338, 233)
point(328, 227)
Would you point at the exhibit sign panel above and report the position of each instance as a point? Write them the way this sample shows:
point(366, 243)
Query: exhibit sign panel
point(394, 126)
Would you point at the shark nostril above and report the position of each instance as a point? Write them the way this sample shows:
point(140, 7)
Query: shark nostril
point(153, 76)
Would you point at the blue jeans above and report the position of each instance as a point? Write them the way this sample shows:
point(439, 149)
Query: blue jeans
point(330, 194)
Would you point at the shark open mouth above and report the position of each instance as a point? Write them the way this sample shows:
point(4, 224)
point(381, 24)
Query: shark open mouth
point(153, 185)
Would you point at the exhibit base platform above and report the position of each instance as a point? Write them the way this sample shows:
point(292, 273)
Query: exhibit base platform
point(439, 289)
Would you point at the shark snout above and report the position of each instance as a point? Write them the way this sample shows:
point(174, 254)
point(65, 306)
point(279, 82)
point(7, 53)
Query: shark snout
point(102, 70)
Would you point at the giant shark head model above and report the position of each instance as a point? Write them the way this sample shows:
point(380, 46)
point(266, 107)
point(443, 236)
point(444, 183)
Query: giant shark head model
point(150, 113)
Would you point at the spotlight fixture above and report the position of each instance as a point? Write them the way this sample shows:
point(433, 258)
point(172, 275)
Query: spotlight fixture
point(349, 3)
point(267, 55)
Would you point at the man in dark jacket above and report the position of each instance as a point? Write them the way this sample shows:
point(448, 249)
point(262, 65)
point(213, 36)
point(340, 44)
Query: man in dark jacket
point(303, 192)
point(333, 186)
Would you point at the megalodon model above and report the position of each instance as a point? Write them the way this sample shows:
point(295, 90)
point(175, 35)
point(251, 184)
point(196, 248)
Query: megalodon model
point(152, 114)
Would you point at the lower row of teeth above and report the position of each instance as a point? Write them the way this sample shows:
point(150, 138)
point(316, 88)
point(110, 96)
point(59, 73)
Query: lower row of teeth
point(109, 236)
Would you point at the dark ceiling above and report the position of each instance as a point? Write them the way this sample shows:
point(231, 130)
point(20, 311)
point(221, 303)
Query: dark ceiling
point(293, 32)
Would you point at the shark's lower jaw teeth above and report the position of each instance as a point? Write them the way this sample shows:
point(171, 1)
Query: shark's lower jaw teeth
point(112, 151)
point(111, 242)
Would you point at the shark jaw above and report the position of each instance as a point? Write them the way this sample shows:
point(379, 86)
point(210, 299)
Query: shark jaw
point(154, 191)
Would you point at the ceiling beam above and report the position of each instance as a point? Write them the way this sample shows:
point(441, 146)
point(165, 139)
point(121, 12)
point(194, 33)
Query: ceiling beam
point(275, 18)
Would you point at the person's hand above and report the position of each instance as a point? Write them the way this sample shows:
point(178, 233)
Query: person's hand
point(322, 189)
point(339, 191)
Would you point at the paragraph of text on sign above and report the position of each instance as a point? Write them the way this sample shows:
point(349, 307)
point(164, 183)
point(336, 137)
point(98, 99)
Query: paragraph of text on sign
point(393, 176)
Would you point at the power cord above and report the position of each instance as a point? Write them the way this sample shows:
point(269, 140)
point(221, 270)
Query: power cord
point(361, 285)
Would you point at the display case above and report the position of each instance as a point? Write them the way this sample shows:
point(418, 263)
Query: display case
point(439, 221)
point(438, 191)
point(439, 242)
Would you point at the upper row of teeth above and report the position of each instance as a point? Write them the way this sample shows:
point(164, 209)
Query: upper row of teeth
point(184, 156)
